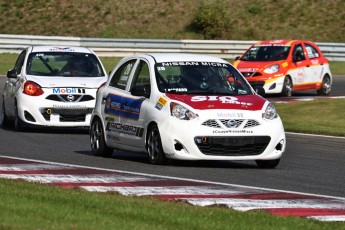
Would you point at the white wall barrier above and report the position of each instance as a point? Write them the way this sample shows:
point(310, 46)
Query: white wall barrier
point(122, 47)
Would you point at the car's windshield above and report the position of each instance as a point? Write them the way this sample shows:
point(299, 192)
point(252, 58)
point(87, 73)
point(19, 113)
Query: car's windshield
point(266, 53)
point(66, 64)
point(200, 78)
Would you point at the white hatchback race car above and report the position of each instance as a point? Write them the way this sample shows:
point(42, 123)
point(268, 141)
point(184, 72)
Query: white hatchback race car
point(185, 107)
point(52, 86)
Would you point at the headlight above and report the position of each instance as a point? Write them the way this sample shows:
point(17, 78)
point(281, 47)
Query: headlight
point(181, 112)
point(272, 69)
point(270, 113)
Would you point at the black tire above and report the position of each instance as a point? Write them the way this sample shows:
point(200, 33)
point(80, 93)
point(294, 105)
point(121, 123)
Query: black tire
point(154, 147)
point(287, 87)
point(4, 121)
point(19, 125)
point(267, 164)
point(326, 86)
point(97, 140)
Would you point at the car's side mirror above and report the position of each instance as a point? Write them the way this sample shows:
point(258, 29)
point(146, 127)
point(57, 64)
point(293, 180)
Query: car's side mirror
point(12, 73)
point(141, 91)
point(260, 90)
point(236, 58)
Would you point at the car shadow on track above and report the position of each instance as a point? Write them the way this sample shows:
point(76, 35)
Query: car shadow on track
point(142, 158)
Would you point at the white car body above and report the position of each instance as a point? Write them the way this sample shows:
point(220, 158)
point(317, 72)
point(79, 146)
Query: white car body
point(216, 126)
point(67, 97)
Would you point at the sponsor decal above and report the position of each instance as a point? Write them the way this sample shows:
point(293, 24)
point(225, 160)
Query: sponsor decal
point(68, 90)
point(123, 106)
point(125, 129)
point(231, 131)
point(314, 61)
point(223, 99)
point(187, 63)
point(230, 115)
point(247, 69)
point(285, 64)
point(160, 103)
point(66, 49)
point(69, 106)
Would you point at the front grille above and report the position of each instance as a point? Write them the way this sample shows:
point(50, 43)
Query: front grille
point(251, 74)
point(211, 123)
point(231, 123)
point(67, 115)
point(70, 97)
point(232, 146)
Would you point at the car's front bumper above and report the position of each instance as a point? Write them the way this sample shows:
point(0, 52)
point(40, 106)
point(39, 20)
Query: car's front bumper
point(191, 140)
point(38, 111)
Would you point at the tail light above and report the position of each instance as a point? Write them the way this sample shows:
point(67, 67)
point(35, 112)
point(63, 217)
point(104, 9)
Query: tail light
point(32, 89)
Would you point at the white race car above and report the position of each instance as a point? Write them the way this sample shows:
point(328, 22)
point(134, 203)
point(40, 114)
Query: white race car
point(186, 107)
point(52, 86)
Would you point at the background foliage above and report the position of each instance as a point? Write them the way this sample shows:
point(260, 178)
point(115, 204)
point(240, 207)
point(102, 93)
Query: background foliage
point(316, 20)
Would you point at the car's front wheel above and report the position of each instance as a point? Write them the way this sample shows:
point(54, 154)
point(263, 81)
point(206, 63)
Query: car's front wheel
point(287, 87)
point(97, 140)
point(267, 164)
point(154, 147)
point(326, 86)
point(18, 123)
point(4, 121)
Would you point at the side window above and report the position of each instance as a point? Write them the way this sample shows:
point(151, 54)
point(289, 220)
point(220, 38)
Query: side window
point(121, 76)
point(142, 76)
point(298, 54)
point(20, 61)
point(312, 52)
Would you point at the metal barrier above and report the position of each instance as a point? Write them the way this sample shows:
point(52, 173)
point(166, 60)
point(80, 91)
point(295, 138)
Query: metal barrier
point(123, 47)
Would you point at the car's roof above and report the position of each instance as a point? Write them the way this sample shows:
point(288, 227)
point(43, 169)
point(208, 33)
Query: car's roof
point(183, 57)
point(75, 49)
point(279, 42)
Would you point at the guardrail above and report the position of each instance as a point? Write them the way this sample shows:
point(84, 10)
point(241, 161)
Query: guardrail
point(123, 47)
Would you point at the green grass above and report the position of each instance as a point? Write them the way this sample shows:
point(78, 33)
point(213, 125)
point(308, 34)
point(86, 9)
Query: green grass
point(316, 20)
point(35, 206)
point(322, 116)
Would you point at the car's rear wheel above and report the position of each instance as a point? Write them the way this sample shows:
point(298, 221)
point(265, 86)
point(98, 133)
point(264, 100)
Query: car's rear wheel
point(97, 140)
point(267, 164)
point(4, 121)
point(287, 87)
point(326, 86)
point(154, 147)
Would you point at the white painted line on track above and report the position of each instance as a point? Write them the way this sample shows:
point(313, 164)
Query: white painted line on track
point(315, 135)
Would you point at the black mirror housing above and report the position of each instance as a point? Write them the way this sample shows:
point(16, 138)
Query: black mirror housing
point(12, 73)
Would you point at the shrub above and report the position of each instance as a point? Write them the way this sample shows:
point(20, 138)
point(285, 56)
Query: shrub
point(212, 19)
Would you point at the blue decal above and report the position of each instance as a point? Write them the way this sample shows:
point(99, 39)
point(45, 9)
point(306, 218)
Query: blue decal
point(123, 106)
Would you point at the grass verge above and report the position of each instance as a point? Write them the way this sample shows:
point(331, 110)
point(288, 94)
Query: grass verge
point(35, 206)
point(322, 116)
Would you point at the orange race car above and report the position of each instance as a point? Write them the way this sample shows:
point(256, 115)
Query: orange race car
point(284, 66)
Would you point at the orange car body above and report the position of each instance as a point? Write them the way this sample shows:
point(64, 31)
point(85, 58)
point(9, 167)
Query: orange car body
point(284, 66)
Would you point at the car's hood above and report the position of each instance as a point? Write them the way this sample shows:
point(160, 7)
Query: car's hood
point(245, 102)
point(252, 66)
point(80, 82)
